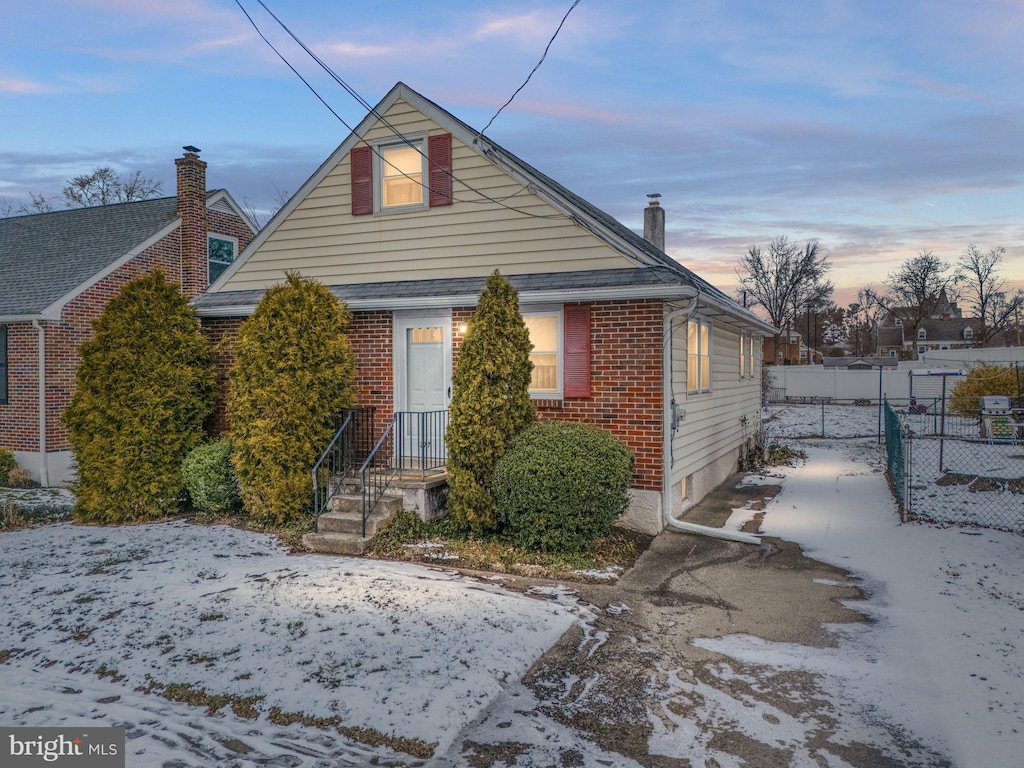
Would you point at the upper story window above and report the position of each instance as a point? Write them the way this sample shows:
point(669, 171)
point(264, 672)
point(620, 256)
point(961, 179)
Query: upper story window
point(968, 333)
point(698, 357)
point(401, 169)
point(921, 334)
point(221, 251)
point(899, 321)
point(546, 336)
point(3, 365)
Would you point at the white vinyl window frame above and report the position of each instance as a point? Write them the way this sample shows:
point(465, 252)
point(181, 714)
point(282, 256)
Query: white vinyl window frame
point(384, 170)
point(751, 356)
point(698, 357)
point(555, 312)
point(218, 265)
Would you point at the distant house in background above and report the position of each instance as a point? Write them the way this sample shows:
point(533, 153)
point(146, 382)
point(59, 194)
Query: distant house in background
point(405, 221)
point(945, 328)
point(794, 351)
point(861, 363)
point(58, 271)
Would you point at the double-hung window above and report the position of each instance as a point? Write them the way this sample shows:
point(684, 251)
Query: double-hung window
point(401, 168)
point(698, 357)
point(221, 251)
point(3, 365)
point(545, 330)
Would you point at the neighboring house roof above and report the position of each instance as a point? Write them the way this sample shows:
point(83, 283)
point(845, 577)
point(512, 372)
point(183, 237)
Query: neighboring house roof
point(864, 361)
point(653, 266)
point(890, 337)
point(47, 258)
point(950, 330)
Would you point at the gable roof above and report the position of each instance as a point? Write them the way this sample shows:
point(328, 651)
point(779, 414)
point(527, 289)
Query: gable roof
point(45, 258)
point(643, 254)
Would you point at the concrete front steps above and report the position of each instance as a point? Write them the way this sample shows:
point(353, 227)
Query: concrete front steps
point(340, 530)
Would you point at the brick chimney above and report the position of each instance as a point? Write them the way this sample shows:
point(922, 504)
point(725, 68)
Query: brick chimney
point(654, 222)
point(192, 211)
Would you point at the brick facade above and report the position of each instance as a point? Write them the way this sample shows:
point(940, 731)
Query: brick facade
point(626, 375)
point(19, 426)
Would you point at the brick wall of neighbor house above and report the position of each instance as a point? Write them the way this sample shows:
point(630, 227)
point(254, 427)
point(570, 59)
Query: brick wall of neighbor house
point(221, 332)
point(19, 428)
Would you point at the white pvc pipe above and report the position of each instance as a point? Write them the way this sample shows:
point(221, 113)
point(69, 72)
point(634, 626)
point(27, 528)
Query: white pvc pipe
point(666, 504)
point(44, 472)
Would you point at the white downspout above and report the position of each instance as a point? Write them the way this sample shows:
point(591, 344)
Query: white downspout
point(667, 394)
point(44, 473)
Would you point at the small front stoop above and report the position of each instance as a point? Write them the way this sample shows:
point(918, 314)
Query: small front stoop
point(340, 530)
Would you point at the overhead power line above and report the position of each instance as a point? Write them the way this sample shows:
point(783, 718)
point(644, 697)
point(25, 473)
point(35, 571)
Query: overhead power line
point(372, 110)
point(535, 66)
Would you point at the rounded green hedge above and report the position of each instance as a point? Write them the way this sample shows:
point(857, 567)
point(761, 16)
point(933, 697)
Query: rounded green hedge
point(560, 485)
point(210, 478)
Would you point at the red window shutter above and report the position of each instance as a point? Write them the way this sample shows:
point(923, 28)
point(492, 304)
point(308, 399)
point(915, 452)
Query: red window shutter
point(361, 159)
point(439, 154)
point(576, 376)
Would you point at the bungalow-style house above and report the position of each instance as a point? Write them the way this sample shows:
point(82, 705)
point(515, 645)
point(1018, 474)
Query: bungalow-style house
point(57, 272)
point(944, 328)
point(408, 217)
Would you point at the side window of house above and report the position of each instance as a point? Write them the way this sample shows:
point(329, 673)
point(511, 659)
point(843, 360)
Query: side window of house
point(400, 174)
point(744, 372)
point(698, 357)
point(750, 356)
point(546, 336)
point(3, 365)
point(221, 251)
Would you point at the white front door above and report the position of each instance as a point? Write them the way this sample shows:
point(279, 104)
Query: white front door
point(423, 365)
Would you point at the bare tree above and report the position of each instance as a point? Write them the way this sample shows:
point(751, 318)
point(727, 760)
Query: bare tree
point(785, 279)
point(862, 319)
point(914, 291)
point(261, 217)
point(985, 291)
point(103, 186)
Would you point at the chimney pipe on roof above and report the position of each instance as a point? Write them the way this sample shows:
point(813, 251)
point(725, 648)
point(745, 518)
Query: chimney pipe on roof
point(654, 222)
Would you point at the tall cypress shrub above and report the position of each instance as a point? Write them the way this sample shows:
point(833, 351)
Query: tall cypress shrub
point(294, 374)
point(490, 401)
point(144, 387)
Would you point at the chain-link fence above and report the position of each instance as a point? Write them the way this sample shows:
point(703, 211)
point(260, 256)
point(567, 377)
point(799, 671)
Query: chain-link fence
point(823, 417)
point(963, 467)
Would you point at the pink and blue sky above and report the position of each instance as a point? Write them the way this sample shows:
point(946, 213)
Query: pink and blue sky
point(881, 128)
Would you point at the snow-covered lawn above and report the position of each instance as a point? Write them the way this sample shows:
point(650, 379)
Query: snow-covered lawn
point(944, 652)
point(92, 615)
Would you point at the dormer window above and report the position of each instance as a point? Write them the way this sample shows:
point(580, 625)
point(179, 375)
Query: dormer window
point(921, 335)
point(899, 322)
point(221, 251)
point(968, 333)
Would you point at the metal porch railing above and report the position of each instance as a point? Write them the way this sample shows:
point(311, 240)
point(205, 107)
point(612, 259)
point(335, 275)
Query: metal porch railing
point(352, 442)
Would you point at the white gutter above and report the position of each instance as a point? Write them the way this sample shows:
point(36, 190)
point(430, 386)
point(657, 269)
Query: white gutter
point(667, 395)
point(44, 474)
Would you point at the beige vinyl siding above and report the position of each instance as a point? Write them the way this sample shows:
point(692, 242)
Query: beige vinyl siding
point(712, 427)
point(322, 239)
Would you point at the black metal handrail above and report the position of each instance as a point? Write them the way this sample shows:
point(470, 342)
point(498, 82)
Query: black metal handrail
point(351, 442)
point(411, 442)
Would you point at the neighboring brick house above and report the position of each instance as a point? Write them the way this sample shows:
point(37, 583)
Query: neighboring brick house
point(945, 327)
point(408, 217)
point(58, 271)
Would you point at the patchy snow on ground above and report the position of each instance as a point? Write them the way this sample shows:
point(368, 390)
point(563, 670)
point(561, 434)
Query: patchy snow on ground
point(821, 419)
point(944, 650)
point(408, 651)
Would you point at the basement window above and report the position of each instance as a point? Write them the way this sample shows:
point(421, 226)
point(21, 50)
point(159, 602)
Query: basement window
point(221, 251)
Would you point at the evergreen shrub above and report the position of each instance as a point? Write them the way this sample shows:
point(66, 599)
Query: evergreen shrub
point(210, 478)
point(983, 379)
point(561, 485)
point(490, 402)
point(7, 463)
point(143, 389)
point(294, 374)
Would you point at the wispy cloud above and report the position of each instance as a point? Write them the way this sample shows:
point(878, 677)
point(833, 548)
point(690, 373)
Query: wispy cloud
point(355, 51)
point(18, 85)
point(525, 28)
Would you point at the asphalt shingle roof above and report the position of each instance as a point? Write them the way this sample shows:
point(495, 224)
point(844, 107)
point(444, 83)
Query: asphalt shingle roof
point(45, 255)
point(460, 286)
